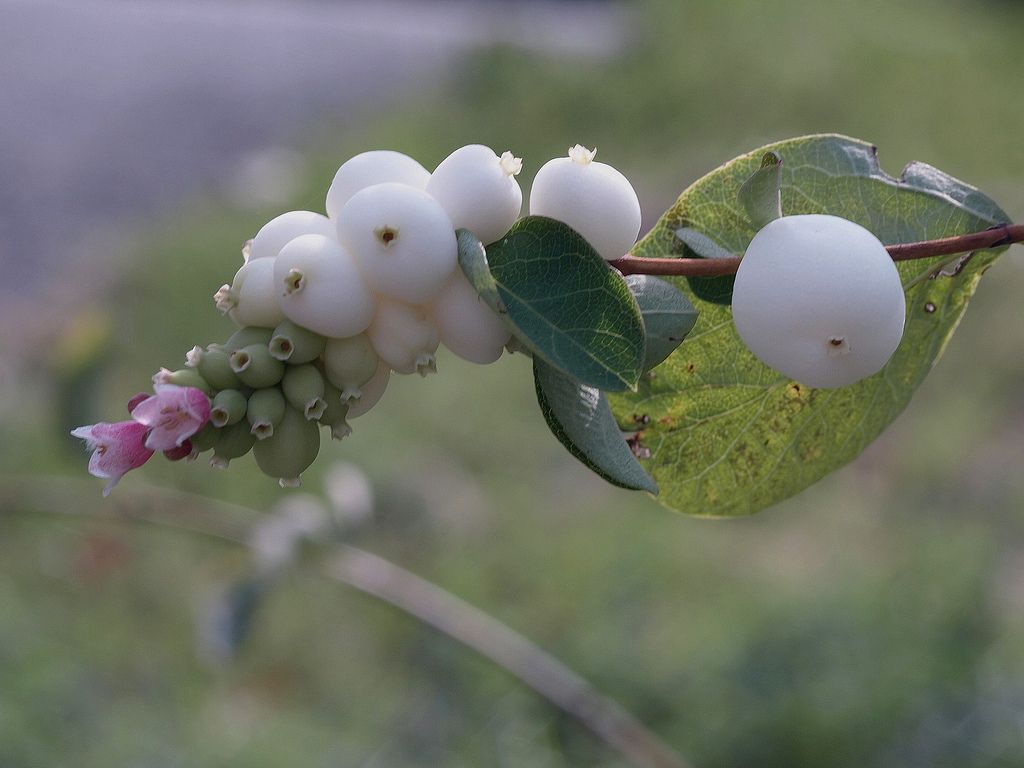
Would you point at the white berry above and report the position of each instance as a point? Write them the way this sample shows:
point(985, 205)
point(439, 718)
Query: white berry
point(479, 190)
point(467, 326)
point(819, 299)
point(592, 198)
point(250, 299)
point(278, 232)
point(369, 168)
point(404, 337)
point(319, 287)
point(402, 240)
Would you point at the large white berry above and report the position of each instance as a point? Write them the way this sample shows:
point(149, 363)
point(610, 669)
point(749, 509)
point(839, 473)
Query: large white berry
point(369, 168)
point(479, 190)
point(819, 299)
point(592, 198)
point(250, 299)
point(402, 240)
point(279, 231)
point(319, 287)
point(405, 337)
point(467, 326)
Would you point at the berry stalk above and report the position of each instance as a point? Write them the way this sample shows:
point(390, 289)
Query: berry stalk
point(1004, 234)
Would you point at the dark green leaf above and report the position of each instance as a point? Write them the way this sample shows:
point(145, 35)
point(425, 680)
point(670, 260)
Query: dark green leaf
point(564, 302)
point(759, 195)
point(726, 434)
point(579, 416)
point(668, 316)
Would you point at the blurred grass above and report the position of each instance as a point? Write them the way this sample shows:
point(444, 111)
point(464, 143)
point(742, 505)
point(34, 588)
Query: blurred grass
point(873, 620)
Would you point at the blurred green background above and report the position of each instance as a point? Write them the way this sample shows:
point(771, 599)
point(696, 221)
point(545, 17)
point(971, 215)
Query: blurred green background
point(876, 619)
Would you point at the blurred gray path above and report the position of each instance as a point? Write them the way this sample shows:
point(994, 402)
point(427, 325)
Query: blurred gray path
point(113, 108)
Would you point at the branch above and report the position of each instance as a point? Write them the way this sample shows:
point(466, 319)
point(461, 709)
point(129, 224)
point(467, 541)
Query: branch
point(508, 649)
point(1004, 234)
point(375, 576)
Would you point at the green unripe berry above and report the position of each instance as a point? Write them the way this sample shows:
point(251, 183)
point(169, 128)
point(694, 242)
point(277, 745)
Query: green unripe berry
point(205, 439)
point(350, 363)
point(244, 337)
point(290, 450)
point(265, 410)
point(214, 366)
point(336, 412)
point(232, 442)
point(185, 377)
point(296, 345)
point(228, 408)
point(303, 387)
point(255, 367)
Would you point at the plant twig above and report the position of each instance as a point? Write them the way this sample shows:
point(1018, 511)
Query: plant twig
point(377, 577)
point(509, 650)
point(1004, 234)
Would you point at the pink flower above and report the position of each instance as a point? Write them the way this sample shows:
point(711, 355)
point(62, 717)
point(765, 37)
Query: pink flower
point(116, 449)
point(173, 415)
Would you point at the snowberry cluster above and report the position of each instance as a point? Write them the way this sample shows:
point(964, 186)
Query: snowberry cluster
point(329, 306)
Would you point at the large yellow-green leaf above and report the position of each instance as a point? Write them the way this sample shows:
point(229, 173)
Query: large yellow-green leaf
point(728, 436)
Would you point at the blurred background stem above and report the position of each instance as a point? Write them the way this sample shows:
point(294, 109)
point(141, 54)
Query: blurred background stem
point(375, 576)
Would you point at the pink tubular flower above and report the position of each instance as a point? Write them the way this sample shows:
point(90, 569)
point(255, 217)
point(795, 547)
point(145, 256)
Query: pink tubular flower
point(116, 449)
point(173, 415)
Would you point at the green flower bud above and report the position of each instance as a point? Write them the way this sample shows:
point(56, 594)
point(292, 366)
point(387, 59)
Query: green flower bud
point(233, 441)
point(255, 367)
point(265, 411)
point(214, 366)
point(228, 408)
point(350, 363)
point(303, 387)
point(290, 450)
point(248, 336)
point(205, 438)
point(186, 377)
point(296, 345)
point(335, 413)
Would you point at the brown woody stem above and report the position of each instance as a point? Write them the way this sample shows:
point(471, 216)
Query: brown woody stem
point(1004, 234)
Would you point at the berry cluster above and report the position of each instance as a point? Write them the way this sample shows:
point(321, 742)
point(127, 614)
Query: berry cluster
point(329, 306)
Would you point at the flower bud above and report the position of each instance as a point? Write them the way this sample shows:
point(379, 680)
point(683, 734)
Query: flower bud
point(255, 367)
point(349, 363)
point(229, 407)
point(265, 410)
point(179, 452)
point(290, 450)
point(303, 387)
point(232, 442)
point(295, 345)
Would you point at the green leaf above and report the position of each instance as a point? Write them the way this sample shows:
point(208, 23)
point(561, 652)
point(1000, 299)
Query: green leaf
point(759, 195)
point(579, 416)
point(726, 434)
point(668, 316)
point(562, 301)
